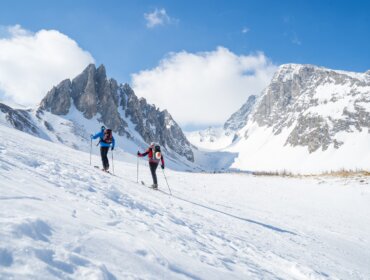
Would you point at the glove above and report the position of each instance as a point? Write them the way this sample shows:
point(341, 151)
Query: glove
point(162, 166)
point(138, 153)
point(112, 148)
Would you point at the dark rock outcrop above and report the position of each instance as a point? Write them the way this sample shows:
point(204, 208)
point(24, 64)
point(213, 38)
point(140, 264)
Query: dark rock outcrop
point(20, 119)
point(315, 103)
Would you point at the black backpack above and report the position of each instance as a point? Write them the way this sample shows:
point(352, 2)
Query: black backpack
point(156, 151)
point(107, 137)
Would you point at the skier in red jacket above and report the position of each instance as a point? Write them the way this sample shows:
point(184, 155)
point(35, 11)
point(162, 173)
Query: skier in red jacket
point(155, 156)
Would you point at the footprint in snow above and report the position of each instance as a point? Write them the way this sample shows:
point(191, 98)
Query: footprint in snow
point(35, 229)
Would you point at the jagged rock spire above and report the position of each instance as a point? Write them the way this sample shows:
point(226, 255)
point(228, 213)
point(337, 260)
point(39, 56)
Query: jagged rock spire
point(92, 93)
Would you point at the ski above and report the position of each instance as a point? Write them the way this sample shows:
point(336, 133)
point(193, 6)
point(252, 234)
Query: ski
point(97, 167)
point(155, 189)
point(150, 187)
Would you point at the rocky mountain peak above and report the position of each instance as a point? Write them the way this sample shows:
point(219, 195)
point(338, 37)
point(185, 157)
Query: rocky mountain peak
point(115, 106)
point(303, 97)
point(101, 72)
point(153, 124)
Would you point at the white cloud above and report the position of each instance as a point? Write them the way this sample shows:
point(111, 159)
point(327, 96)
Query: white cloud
point(204, 88)
point(157, 17)
point(32, 63)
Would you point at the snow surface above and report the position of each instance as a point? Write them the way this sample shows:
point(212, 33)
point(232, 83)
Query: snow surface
point(60, 218)
point(333, 99)
point(265, 151)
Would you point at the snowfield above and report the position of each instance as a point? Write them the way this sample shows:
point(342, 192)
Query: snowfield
point(61, 218)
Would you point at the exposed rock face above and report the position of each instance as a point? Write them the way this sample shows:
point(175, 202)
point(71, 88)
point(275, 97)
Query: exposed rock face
point(115, 106)
point(58, 100)
point(317, 103)
point(239, 119)
point(154, 125)
point(91, 93)
point(312, 103)
point(19, 119)
point(84, 93)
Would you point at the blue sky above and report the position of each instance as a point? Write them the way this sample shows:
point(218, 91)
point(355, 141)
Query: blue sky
point(246, 38)
point(335, 34)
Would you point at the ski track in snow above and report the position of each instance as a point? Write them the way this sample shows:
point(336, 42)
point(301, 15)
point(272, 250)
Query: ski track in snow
point(63, 219)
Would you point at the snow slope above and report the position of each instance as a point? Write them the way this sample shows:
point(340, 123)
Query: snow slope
point(265, 151)
point(63, 219)
point(74, 130)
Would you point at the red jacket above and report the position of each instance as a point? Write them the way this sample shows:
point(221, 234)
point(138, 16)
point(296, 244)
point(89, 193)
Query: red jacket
point(149, 152)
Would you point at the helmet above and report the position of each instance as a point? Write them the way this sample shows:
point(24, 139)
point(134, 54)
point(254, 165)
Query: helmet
point(152, 144)
point(102, 127)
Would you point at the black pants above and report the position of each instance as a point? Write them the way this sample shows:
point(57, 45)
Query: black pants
point(104, 157)
point(153, 167)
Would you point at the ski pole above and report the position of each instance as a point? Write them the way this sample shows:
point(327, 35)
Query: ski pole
point(137, 170)
point(166, 181)
point(90, 149)
point(112, 163)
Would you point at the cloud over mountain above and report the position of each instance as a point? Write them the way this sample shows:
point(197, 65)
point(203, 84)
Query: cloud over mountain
point(204, 88)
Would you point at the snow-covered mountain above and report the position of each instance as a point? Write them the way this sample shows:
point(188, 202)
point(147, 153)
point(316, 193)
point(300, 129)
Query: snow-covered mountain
point(218, 138)
point(74, 109)
point(308, 119)
point(211, 138)
point(239, 119)
point(60, 218)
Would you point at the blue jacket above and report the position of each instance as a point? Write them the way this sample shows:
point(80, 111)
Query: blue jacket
point(103, 144)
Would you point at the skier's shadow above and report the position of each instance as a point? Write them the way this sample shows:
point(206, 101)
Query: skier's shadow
point(271, 227)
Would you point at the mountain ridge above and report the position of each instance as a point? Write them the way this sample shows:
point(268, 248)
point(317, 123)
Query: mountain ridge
point(93, 98)
point(307, 112)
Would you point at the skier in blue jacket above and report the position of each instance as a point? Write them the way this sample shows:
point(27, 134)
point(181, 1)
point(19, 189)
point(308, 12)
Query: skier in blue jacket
point(106, 140)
